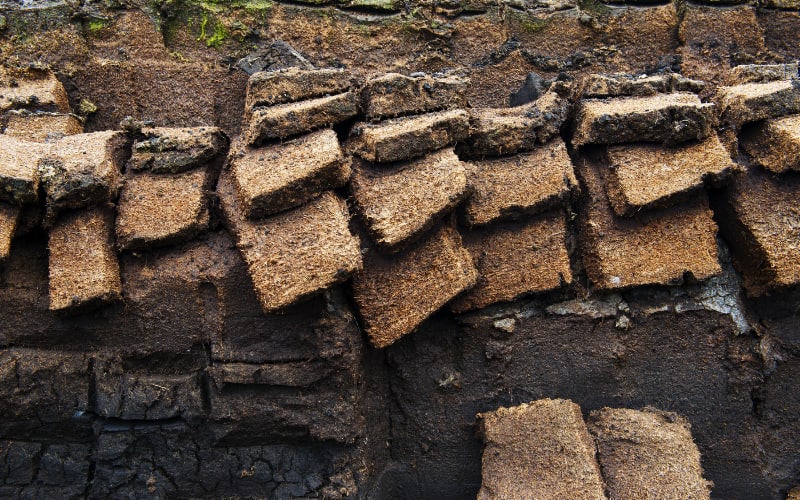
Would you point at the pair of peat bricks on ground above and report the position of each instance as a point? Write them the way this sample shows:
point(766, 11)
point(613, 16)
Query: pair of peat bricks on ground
point(408, 259)
point(161, 193)
point(647, 220)
point(545, 450)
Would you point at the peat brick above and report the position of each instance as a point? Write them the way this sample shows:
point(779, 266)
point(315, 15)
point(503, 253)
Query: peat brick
point(516, 259)
point(158, 210)
point(646, 176)
point(9, 217)
point(501, 131)
point(41, 127)
point(36, 90)
point(82, 170)
point(294, 254)
point(647, 454)
point(659, 247)
point(400, 203)
point(410, 137)
point(751, 102)
point(287, 120)
point(276, 178)
point(171, 150)
point(268, 88)
point(763, 73)
point(664, 118)
point(524, 184)
point(394, 94)
point(84, 271)
point(598, 86)
point(538, 450)
point(775, 144)
point(761, 220)
point(19, 175)
point(395, 294)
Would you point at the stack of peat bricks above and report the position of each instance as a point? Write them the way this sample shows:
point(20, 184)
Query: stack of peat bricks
point(545, 450)
point(645, 217)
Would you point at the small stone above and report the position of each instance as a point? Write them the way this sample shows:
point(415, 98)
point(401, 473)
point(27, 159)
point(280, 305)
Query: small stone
point(395, 294)
point(287, 120)
point(269, 88)
point(507, 325)
point(410, 137)
point(533, 87)
point(394, 94)
point(538, 450)
point(525, 184)
point(276, 178)
point(84, 272)
point(665, 118)
point(399, 204)
point(172, 150)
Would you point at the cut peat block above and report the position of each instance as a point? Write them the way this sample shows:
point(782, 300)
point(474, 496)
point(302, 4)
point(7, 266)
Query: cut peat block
point(539, 450)
point(394, 94)
point(501, 131)
point(659, 247)
point(617, 84)
point(19, 174)
point(647, 454)
point(276, 178)
point(294, 254)
point(763, 73)
point(84, 271)
point(268, 88)
point(287, 120)
point(400, 203)
point(406, 138)
point(775, 144)
point(751, 102)
point(158, 210)
point(172, 150)
point(515, 259)
point(9, 216)
point(524, 184)
point(40, 90)
point(646, 176)
point(663, 118)
point(83, 170)
point(761, 220)
point(395, 294)
point(41, 127)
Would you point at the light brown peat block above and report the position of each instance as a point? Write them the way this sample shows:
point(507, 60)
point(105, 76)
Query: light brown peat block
point(406, 138)
point(396, 293)
point(646, 176)
point(19, 174)
point(9, 216)
point(659, 247)
point(775, 144)
point(751, 102)
point(663, 118)
point(524, 184)
point(268, 88)
point(394, 94)
point(294, 254)
point(39, 90)
point(41, 127)
point(84, 271)
point(538, 450)
point(514, 259)
point(275, 178)
point(399, 203)
point(647, 454)
point(171, 150)
point(157, 210)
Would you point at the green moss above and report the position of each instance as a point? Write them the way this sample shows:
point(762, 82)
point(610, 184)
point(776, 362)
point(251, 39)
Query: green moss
point(94, 26)
point(219, 35)
point(594, 7)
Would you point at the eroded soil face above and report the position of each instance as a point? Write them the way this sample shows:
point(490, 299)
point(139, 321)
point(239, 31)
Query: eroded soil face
point(181, 385)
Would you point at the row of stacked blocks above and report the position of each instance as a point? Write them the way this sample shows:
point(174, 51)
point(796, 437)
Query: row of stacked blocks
point(644, 216)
